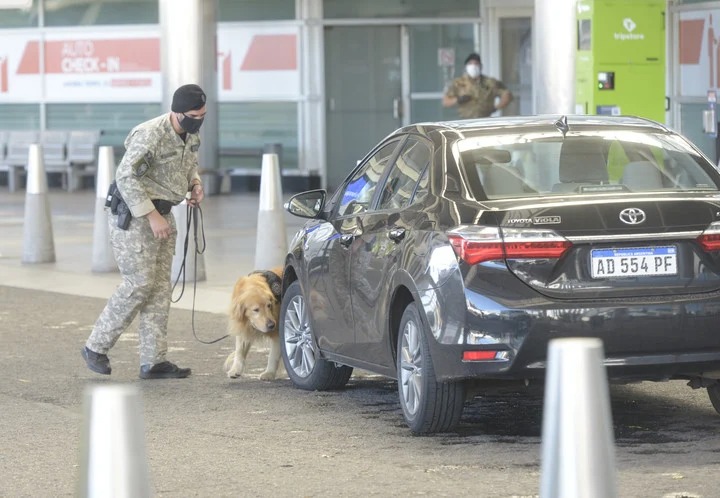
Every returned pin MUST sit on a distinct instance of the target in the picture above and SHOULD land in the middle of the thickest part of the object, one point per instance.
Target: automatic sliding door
(363, 92)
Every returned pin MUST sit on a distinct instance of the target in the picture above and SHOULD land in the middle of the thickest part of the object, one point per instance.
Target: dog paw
(267, 375)
(233, 374)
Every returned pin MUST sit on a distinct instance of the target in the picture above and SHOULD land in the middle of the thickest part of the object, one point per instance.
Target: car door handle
(346, 239)
(396, 234)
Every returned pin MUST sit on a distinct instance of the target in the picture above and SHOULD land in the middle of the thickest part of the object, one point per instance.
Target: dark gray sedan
(455, 251)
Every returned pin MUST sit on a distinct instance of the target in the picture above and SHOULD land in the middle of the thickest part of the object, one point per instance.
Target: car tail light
(475, 244)
(710, 238)
(485, 355)
(478, 355)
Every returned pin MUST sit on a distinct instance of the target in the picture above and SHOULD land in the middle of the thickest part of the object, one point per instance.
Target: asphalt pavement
(210, 436)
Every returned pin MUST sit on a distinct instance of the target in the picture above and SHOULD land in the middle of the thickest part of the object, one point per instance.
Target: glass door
(436, 55)
(516, 62)
(510, 47)
(363, 91)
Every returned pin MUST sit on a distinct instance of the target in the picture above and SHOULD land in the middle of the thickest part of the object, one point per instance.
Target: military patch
(143, 165)
(141, 169)
(168, 155)
(195, 147)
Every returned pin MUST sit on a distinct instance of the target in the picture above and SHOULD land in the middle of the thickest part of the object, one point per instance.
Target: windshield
(540, 164)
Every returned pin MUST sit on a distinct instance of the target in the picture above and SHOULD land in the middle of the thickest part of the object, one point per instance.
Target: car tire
(714, 394)
(427, 405)
(299, 352)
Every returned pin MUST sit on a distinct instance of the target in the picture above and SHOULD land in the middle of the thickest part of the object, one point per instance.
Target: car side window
(422, 186)
(359, 191)
(400, 183)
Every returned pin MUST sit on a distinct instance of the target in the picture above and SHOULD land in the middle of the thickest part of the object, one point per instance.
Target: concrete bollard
(103, 259)
(271, 238)
(113, 460)
(191, 265)
(38, 243)
(578, 448)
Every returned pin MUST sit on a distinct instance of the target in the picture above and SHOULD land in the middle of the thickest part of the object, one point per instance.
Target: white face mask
(473, 70)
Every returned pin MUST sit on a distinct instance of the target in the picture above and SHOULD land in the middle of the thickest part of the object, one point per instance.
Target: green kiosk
(620, 60)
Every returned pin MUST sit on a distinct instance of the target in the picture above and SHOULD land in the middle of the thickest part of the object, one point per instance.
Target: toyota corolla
(455, 251)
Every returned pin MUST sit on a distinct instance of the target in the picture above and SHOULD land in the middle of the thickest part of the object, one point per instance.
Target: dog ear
(238, 311)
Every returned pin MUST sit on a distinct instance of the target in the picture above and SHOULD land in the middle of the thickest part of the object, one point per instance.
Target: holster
(118, 207)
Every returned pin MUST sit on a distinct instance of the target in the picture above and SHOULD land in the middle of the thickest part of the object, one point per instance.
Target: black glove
(464, 99)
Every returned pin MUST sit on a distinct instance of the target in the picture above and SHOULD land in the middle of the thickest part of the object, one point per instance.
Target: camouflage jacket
(157, 165)
(482, 90)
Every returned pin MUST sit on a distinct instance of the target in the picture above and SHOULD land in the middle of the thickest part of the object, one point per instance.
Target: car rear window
(542, 164)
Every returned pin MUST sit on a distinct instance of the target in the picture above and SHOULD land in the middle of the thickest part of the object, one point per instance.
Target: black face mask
(191, 125)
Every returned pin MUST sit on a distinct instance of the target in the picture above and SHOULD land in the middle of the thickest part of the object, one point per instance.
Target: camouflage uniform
(483, 91)
(157, 165)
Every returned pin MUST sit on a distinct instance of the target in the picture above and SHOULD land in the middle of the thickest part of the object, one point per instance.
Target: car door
(330, 304)
(376, 252)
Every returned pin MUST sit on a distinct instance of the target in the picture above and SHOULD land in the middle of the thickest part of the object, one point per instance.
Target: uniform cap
(188, 98)
(473, 57)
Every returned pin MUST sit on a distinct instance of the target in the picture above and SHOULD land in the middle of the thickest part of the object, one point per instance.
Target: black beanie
(473, 57)
(188, 98)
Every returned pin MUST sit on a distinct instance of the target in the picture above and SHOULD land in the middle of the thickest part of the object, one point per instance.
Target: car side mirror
(307, 204)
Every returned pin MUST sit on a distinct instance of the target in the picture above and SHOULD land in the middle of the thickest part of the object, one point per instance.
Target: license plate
(633, 261)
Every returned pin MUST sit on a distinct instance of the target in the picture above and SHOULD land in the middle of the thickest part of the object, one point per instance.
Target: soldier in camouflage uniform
(475, 93)
(159, 168)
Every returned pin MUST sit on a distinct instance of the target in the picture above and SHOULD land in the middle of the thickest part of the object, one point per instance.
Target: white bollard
(103, 258)
(194, 263)
(38, 243)
(578, 447)
(113, 460)
(271, 238)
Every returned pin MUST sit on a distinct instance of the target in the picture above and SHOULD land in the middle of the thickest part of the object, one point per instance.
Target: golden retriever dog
(254, 314)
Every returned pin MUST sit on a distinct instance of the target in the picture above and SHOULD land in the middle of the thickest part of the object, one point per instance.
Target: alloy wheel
(411, 367)
(298, 338)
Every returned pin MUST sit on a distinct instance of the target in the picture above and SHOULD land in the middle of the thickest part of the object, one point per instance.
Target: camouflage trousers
(145, 264)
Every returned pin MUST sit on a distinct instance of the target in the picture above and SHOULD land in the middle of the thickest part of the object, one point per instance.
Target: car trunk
(620, 247)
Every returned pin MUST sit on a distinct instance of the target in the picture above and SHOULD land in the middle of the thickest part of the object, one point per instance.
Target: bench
(72, 155)
(18, 148)
(292, 180)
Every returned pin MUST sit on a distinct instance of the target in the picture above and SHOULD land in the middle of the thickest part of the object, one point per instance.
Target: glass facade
(255, 10)
(339, 9)
(690, 124)
(19, 117)
(114, 121)
(100, 12)
(249, 125)
(19, 18)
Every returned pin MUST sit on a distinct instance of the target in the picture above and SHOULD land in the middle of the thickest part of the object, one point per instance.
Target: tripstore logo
(629, 34)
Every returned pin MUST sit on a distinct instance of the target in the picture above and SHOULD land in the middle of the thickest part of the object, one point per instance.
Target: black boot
(98, 363)
(163, 370)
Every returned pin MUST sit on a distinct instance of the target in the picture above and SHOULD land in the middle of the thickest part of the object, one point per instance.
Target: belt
(163, 206)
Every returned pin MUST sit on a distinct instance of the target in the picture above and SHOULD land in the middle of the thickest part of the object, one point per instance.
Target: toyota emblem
(632, 216)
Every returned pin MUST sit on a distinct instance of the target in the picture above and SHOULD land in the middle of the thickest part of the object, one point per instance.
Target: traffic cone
(271, 239)
(103, 258)
(194, 263)
(113, 460)
(38, 244)
(578, 448)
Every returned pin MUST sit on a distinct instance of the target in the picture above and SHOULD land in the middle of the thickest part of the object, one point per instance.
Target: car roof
(527, 123)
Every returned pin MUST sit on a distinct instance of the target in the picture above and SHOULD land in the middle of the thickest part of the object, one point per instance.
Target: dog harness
(273, 281)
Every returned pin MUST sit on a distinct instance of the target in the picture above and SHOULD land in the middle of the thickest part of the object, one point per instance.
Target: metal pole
(188, 54)
(554, 47)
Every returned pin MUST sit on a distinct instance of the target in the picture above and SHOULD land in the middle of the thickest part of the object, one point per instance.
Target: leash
(193, 215)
